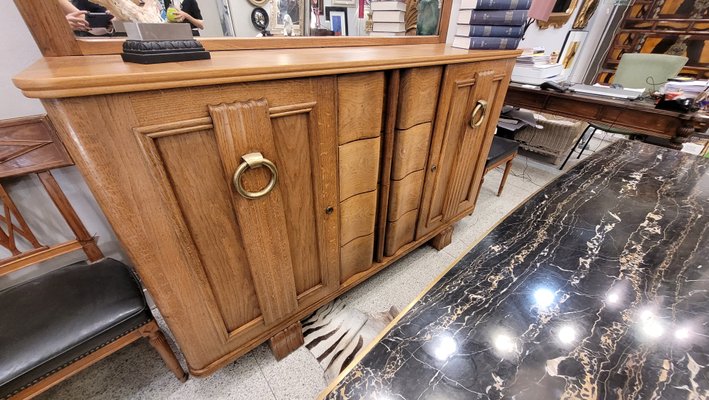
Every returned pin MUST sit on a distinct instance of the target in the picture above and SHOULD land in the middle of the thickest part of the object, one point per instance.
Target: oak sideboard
(251, 189)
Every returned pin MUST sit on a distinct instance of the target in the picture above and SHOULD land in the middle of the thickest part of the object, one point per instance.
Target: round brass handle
(255, 160)
(481, 108)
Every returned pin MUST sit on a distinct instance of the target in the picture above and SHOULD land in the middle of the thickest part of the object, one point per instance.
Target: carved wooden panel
(264, 258)
(29, 145)
(459, 145)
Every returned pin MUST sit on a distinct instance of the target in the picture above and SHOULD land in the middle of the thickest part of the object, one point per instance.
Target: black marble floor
(596, 288)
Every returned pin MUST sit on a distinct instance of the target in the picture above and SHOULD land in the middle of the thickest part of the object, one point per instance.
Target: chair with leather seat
(58, 323)
(502, 151)
(635, 71)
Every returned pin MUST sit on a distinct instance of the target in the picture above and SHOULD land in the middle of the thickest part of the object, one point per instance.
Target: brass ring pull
(255, 160)
(481, 108)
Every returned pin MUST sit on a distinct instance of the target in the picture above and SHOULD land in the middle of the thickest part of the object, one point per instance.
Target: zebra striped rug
(335, 333)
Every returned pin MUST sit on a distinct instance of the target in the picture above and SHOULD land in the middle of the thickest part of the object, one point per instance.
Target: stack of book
(535, 69)
(388, 18)
(491, 24)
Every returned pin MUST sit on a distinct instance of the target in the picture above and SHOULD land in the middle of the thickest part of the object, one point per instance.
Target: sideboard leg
(443, 239)
(286, 341)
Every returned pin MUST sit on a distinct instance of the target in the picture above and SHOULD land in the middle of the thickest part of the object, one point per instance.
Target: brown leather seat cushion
(57, 318)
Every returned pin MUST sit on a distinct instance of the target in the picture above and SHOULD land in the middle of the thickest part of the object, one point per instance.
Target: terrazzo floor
(137, 372)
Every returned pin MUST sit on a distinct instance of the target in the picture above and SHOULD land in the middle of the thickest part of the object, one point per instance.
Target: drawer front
(262, 257)
(414, 124)
(360, 103)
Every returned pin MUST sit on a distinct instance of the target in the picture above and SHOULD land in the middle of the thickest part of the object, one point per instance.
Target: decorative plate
(259, 18)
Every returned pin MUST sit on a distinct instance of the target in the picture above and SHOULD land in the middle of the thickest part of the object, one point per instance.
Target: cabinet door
(469, 106)
(257, 257)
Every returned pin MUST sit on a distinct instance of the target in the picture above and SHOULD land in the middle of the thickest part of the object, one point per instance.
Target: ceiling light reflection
(444, 347)
(650, 324)
(503, 343)
(543, 297)
(682, 333)
(567, 334)
(613, 298)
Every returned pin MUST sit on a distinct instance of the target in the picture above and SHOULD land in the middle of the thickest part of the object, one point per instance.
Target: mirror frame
(55, 39)
(558, 19)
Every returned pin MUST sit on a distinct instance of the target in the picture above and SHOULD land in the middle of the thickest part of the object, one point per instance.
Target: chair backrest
(649, 71)
(29, 146)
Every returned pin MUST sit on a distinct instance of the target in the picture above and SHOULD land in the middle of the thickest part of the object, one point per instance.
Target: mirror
(286, 18)
(560, 14)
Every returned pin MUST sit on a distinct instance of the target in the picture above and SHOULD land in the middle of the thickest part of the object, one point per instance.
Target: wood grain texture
(170, 244)
(30, 144)
(400, 232)
(157, 339)
(203, 182)
(359, 167)
(242, 128)
(81, 76)
(49, 27)
(286, 341)
(443, 239)
(360, 104)
(411, 150)
(356, 256)
(357, 216)
(88, 244)
(458, 151)
(468, 146)
(387, 155)
(419, 86)
(405, 195)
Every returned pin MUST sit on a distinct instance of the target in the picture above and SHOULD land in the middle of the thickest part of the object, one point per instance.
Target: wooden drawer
(360, 114)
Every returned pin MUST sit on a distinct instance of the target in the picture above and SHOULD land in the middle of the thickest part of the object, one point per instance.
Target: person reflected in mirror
(185, 11)
(75, 17)
(78, 13)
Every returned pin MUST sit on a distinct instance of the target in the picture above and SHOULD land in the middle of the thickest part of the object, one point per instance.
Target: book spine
(493, 43)
(484, 17)
(497, 4)
(495, 30)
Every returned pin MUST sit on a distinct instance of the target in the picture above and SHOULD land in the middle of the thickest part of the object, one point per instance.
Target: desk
(640, 115)
(594, 288)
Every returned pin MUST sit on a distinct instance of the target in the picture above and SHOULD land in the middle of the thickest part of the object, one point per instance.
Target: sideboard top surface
(57, 77)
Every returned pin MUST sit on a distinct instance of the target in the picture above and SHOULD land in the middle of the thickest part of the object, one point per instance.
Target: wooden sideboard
(368, 153)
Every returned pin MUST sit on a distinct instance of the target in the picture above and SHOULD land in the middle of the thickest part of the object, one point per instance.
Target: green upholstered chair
(635, 71)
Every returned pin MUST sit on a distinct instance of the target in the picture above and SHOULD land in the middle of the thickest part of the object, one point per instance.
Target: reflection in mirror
(560, 14)
(256, 18)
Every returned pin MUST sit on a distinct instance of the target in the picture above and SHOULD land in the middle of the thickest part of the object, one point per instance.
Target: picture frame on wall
(279, 24)
(338, 20)
(345, 3)
(568, 56)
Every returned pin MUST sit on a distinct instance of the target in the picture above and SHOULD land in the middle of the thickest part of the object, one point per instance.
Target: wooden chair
(502, 151)
(54, 325)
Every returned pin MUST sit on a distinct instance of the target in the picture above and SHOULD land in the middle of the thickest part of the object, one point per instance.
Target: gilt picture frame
(294, 9)
(568, 56)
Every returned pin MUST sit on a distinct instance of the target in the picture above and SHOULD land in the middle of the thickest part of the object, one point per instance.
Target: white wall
(19, 51)
(241, 17)
(210, 16)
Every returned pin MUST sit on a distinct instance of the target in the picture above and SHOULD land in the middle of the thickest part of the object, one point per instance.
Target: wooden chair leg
(508, 167)
(157, 339)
